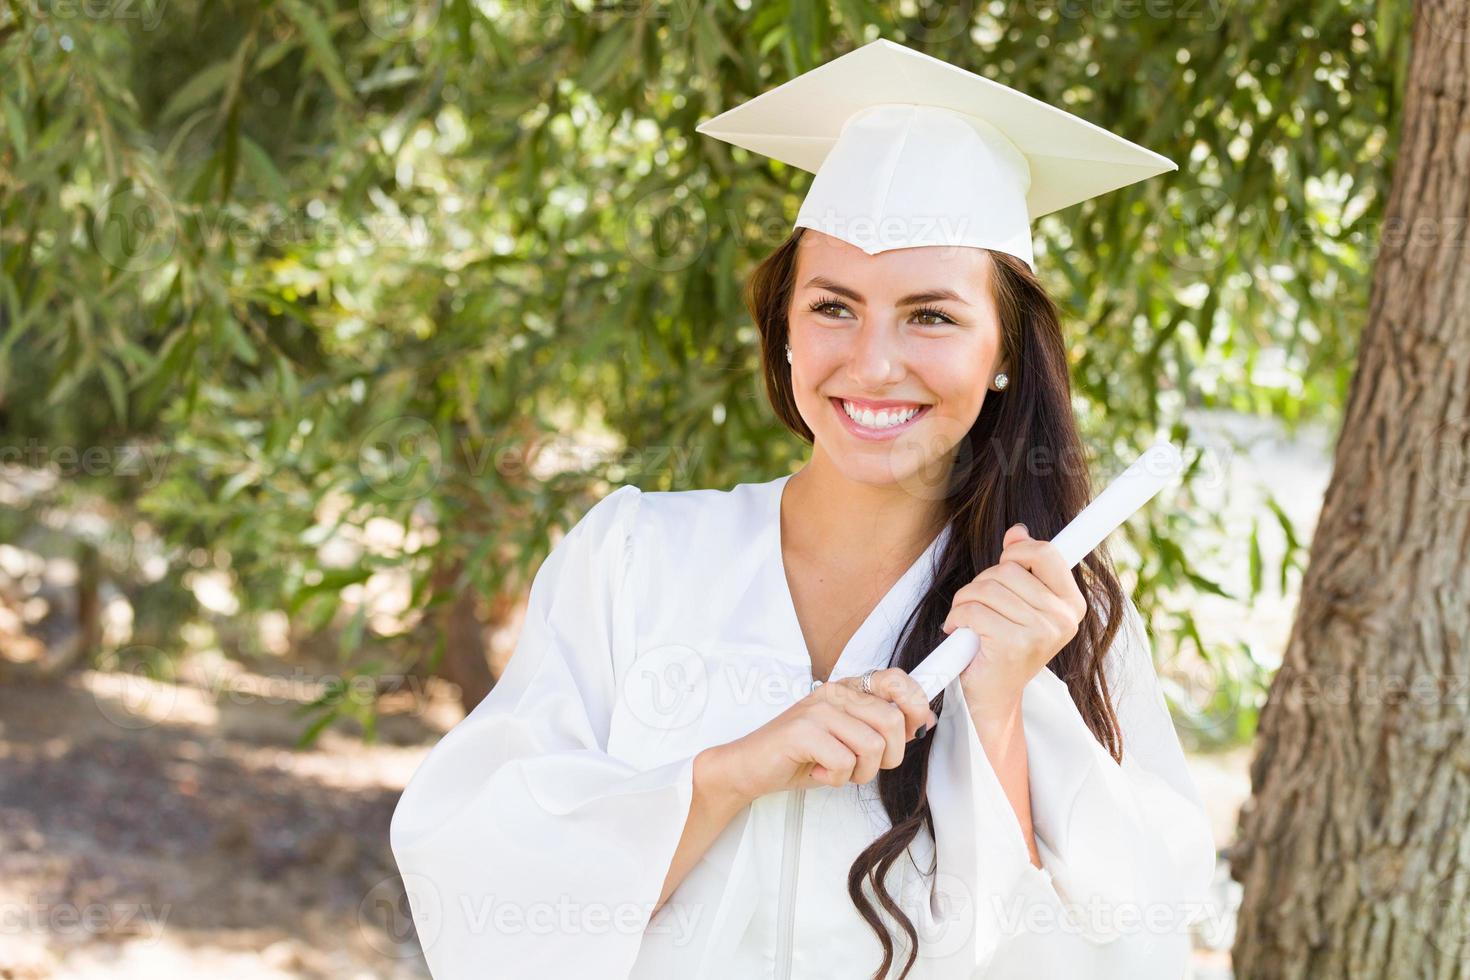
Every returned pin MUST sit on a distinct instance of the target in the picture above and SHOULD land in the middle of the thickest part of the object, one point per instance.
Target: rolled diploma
(1132, 488)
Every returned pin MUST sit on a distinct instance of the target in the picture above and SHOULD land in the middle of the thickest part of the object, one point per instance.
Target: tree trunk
(1354, 850)
(465, 660)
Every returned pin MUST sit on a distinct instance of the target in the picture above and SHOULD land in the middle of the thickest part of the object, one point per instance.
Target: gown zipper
(790, 861)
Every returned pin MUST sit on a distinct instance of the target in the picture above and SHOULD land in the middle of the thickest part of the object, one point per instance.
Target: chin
(880, 466)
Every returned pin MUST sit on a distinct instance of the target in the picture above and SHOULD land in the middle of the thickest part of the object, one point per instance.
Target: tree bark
(465, 660)
(1354, 850)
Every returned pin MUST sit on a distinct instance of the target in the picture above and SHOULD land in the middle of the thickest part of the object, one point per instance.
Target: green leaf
(463, 29)
(332, 580)
(1386, 25)
(314, 730)
(238, 342)
(207, 84)
(117, 388)
(15, 126)
(1287, 528)
(230, 161)
(236, 483)
(802, 21)
(13, 314)
(1255, 558)
(606, 57)
(856, 14)
(351, 639)
(272, 53)
(1207, 584)
(287, 383)
(262, 170)
(319, 42)
(436, 656)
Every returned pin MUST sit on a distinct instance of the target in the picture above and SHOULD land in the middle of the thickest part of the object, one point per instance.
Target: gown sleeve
(1127, 849)
(525, 848)
(1132, 839)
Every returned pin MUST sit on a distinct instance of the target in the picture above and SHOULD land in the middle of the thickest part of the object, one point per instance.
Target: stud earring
(788, 353)
(1001, 380)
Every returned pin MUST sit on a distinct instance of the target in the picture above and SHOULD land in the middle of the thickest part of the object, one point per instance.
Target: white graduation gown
(534, 839)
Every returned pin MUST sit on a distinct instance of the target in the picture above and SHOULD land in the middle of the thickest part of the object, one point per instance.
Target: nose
(876, 358)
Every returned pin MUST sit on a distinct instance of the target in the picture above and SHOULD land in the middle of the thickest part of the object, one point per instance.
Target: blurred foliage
(335, 264)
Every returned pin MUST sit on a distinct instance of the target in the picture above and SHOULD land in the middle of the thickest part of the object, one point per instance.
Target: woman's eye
(939, 319)
(824, 306)
(832, 308)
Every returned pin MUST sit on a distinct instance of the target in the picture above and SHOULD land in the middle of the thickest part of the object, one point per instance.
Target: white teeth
(883, 419)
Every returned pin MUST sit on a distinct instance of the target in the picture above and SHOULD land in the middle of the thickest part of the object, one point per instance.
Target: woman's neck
(842, 523)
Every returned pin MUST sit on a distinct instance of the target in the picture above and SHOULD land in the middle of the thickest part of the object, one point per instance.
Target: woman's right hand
(835, 735)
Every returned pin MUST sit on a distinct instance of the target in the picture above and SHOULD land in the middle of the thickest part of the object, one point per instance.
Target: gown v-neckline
(899, 597)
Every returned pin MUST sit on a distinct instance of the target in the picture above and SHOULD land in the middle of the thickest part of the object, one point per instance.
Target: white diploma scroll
(1132, 488)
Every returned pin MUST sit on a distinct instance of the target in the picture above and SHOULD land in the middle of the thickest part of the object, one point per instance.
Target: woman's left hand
(1024, 608)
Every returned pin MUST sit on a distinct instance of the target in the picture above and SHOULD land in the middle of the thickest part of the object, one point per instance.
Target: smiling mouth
(866, 421)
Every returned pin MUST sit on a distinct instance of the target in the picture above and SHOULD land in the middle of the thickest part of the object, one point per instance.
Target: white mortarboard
(910, 150)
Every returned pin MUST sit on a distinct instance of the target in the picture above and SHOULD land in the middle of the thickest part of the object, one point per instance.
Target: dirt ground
(155, 830)
(151, 830)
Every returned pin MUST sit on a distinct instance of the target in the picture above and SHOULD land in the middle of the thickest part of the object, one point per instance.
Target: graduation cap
(910, 150)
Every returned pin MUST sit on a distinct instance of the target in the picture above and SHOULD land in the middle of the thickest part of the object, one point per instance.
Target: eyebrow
(912, 299)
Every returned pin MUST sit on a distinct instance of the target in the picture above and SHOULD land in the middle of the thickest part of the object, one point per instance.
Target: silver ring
(868, 679)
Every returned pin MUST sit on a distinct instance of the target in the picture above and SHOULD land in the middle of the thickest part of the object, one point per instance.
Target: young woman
(706, 757)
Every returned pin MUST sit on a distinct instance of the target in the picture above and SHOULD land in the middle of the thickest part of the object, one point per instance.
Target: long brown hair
(1022, 461)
